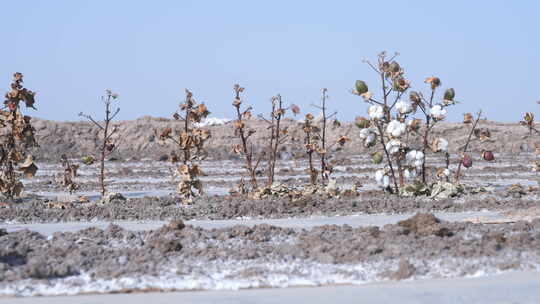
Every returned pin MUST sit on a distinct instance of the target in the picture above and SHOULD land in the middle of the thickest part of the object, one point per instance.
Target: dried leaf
(295, 109)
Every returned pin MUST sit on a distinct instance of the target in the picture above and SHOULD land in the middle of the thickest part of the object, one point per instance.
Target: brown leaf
(28, 167)
(166, 133)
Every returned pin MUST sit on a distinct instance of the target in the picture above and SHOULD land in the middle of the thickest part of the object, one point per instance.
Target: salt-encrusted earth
(94, 260)
(184, 257)
(150, 191)
(222, 208)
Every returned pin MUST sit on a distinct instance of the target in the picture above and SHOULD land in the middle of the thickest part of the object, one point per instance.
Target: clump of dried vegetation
(189, 141)
(108, 142)
(276, 137)
(67, 178)
(315, 141)
(17, 139)
(403, 130)
(529, 122)
(245, 147)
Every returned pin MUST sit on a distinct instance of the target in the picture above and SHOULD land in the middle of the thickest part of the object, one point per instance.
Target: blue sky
(149, 51)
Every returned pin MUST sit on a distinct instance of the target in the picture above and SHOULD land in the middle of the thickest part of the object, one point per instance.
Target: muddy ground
(421, 246)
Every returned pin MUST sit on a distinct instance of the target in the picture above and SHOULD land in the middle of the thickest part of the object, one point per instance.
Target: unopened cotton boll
(376, 112)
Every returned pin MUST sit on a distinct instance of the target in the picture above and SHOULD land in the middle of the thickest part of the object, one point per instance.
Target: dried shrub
(107, 142)
(311, 145)
(17, 139)
(245, 148)
(278, 135)
(316, 140)
(189, 141)
(529, 122)
(67, 178)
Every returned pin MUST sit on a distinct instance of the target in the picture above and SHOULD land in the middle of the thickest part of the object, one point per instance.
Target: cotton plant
(400, 122)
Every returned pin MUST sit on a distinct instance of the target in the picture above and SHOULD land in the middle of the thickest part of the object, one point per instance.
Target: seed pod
(433, 81)
(488, 155)
(362, 122)
(295, 109)
(376, 158)
(466, 161)
(394, 67)
(528, 117)
(415, 97)
(449, 94)
(361, 87)
(400, 84)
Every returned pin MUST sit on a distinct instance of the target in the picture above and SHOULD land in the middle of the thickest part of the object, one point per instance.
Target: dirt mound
(138, 138)
(425, 224)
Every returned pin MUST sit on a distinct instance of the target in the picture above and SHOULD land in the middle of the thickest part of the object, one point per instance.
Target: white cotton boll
(411, 155)
(418, 163)
(419, 155)
(438, 112)
(446, 172)
(396, 128)
(365, 133)
(443, 144)
(403, 107)
(368, 135)
(370, 140)
(386, 181)
(376, 112)
(409, 174)
(393, 146)
(379, 174)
